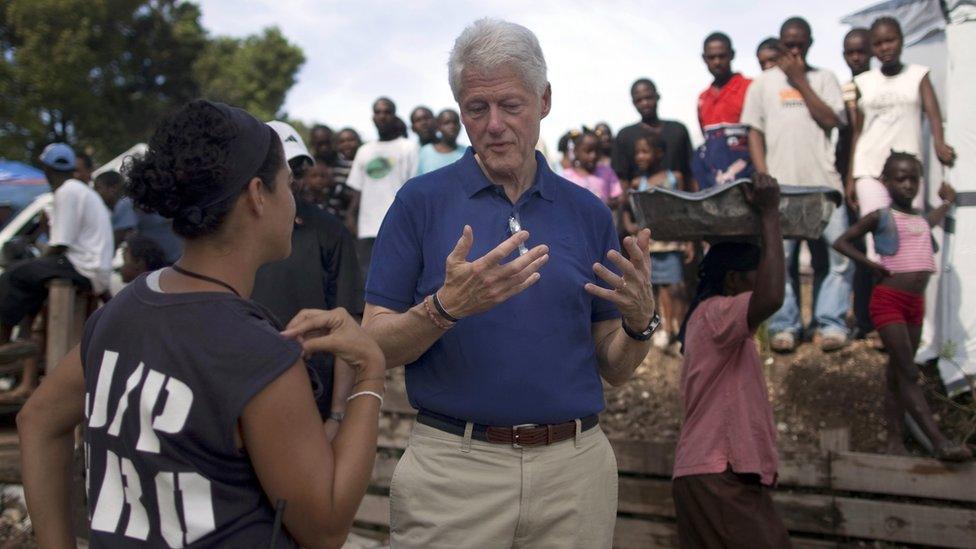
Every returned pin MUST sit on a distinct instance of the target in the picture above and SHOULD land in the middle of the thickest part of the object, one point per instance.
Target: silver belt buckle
(515, 433)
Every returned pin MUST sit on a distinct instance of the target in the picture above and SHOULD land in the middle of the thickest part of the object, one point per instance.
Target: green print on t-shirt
(379, 167)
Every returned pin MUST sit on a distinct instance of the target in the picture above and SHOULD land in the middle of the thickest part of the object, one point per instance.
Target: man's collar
(474, 180)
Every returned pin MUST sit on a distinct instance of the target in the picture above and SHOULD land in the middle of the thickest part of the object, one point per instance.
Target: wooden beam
(60, 317)
(907, 522)
(835, 440)
(630, 533)
(905, 476)
(374, 510)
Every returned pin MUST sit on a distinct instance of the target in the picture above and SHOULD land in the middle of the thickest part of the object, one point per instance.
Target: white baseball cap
(290, 140)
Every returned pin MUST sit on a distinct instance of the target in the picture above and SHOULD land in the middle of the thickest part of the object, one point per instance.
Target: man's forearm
(772, 268)
(824, 116)
(620, 356)
(757, 150)
(403, 337)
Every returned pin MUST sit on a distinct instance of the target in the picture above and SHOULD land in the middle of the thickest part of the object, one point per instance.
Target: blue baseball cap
(58, 156)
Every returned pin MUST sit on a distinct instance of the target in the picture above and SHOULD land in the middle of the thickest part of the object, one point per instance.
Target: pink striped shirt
(914, 245)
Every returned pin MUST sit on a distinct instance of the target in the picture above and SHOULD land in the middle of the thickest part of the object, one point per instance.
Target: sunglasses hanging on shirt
(515, 226)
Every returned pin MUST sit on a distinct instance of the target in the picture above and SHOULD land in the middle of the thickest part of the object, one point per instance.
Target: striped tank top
(914, 245)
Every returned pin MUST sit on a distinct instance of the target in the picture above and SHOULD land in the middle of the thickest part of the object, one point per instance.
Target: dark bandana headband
(245, 153)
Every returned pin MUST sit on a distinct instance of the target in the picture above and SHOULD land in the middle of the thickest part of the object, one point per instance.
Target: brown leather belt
(528, 435)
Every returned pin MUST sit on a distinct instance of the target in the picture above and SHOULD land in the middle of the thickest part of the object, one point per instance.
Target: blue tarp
(20, 184)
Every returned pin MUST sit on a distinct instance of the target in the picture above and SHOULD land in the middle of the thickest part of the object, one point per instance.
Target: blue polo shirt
(531, 359)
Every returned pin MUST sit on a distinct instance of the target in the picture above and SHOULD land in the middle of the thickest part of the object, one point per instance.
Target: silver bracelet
(363, 393)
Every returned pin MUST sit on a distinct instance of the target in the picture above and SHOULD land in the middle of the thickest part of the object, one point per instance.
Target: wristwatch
(647, 333)
(337, 416)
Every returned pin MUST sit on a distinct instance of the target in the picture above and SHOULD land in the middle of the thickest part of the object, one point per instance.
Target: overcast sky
(356, 51)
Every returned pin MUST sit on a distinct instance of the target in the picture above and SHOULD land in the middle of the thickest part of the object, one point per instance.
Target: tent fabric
(952, 332)
(918, 18)
(961, 11)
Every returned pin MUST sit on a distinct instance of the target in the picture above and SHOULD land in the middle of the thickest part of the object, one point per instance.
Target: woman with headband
(200, 425)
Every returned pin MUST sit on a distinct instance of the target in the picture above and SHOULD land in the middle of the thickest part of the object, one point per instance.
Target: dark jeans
(23, 287)
(863, 286)
(364, 251)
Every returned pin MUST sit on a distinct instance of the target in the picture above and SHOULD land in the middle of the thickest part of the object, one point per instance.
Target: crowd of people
(510, 287)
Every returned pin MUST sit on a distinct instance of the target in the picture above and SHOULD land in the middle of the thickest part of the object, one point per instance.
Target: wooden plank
(648, 458)
(634, 533)
(60, 316)
(657, 458)
(835, 440)
(907, 522)
(383, 471)
(803, 469)
(903, 476)
(78, 320)
(394, 431)
(630, 533)
(645, 496)
(811, 513)
(10, 466)
(16, 351)
(395, 399)
(374, 510)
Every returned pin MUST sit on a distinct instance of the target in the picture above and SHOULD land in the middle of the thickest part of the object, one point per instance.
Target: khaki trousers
(453, 492)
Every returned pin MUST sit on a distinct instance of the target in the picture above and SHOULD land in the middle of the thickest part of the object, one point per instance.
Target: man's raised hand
(476, 286)
(631, 292)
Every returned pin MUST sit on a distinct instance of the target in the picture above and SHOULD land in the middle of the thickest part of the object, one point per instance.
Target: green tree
(93, 72)
(100, 73)
(254, 73)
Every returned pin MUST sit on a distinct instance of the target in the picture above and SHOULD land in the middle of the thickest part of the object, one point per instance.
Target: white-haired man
(487, 283)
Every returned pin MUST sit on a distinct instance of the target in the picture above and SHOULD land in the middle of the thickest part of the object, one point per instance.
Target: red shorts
(891, 306)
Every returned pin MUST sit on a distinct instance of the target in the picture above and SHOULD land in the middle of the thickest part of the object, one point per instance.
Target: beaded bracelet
(434, 317)
(366, 393)
(440, 308)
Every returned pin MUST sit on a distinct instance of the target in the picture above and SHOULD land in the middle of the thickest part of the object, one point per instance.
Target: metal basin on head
(722, 212)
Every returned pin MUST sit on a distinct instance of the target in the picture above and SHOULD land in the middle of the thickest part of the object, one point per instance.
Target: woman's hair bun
(186, 156)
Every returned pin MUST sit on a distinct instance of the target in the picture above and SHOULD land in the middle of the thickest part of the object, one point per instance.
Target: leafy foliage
(99, 74)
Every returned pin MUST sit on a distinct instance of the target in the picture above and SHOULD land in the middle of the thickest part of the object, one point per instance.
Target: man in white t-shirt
(377, 173)
(791, 110)
(80, 245)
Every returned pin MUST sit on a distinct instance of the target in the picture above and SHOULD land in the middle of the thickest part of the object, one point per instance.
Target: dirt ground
(810, 390)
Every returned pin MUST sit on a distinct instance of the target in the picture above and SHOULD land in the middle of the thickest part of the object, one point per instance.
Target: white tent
(942, 36)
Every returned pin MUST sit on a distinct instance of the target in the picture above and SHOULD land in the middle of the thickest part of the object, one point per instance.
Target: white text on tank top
(184, 503)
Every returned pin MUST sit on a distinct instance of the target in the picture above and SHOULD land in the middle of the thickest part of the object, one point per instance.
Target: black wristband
(647, 333)
(440, 309)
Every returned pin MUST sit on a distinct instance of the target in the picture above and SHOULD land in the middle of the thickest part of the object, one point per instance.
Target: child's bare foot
(875, 341)
(951, 451)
